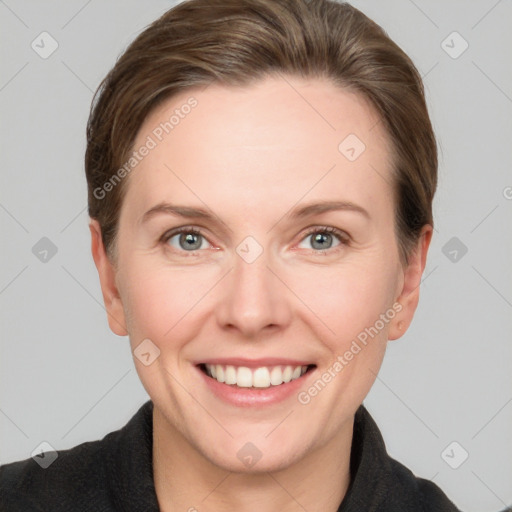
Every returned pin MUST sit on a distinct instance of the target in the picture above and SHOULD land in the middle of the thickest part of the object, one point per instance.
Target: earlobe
(410, 292)
(107, 275)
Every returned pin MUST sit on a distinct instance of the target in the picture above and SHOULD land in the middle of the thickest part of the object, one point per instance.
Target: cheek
(161, 301)
(342, 301)
(356, 303)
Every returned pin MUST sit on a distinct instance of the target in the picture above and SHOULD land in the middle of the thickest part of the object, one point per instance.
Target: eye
(185, 239)
(189, 239)
(322, 238)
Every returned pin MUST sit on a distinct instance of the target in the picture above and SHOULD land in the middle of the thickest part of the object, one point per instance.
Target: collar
(373, 473)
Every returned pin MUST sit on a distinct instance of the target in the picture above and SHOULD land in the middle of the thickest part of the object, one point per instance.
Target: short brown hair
(236, 42)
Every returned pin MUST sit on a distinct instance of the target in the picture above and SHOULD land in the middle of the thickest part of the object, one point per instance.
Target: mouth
(260, 377)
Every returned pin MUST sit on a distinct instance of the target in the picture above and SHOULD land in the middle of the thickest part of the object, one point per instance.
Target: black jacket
(115, 474)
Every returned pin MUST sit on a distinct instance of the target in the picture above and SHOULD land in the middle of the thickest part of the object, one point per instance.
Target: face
(255, 236)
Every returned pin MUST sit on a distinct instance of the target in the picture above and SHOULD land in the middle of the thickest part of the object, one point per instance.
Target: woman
(260, 177)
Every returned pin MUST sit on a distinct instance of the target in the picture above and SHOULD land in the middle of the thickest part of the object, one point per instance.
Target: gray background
(65, 378)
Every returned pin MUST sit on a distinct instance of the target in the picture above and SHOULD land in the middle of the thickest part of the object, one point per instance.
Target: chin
(251, 460)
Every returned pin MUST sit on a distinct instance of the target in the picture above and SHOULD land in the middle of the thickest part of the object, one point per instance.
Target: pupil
(320, 238)
(191, 241)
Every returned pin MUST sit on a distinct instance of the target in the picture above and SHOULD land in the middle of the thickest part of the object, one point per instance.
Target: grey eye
(320, 240)
(187, 241)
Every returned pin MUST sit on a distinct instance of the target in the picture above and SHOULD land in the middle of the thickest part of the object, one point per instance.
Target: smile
(261, 377)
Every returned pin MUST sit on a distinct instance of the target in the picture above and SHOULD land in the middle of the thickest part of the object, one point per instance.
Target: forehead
(272, 141)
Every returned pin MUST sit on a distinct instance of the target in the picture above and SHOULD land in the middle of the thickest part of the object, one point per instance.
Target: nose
(254, 300)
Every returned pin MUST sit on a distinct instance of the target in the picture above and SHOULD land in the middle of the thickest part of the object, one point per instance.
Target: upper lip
(255, 363)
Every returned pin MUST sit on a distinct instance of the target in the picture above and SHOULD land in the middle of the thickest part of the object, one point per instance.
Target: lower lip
(253, 397)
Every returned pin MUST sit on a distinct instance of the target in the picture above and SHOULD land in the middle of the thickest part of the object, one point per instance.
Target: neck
(185, 480)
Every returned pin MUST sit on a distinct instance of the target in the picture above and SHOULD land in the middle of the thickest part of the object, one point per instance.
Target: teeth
(230, 374)
(243, 377)
(276, 376)
(262, 377)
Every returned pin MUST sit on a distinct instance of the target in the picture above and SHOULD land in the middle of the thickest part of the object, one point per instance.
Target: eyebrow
(327, 206)
(303, 211)
(188, 212)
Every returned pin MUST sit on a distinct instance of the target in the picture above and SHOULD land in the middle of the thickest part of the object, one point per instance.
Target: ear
(107, 275)
(410, 294)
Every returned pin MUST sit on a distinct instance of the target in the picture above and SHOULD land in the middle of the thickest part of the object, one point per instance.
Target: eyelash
(343, 238)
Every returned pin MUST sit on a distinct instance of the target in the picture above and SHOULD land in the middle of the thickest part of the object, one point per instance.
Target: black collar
(378, 482)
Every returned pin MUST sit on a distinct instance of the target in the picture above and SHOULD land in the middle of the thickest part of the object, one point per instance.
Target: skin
(250, 155)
